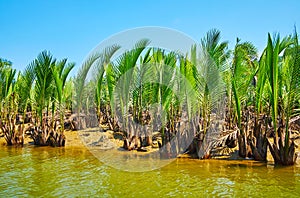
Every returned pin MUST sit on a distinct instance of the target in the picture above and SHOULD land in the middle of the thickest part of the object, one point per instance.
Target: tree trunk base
(283, 158)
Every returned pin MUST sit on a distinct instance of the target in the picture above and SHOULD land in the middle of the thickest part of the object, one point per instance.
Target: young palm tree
(47, 77)
(60, 73)
(164, 90)
(121, 75)
(98, 60)
(80, 85)
(210, 65)
(5, 63)
(283, 77)
(24, 86)
(101, 67)
(68, 93)
(9, 106)
(188, 71)
(243, 71)
(43, 65)
(25, 82)
(213, 59)
(190, 95)
(43, 90)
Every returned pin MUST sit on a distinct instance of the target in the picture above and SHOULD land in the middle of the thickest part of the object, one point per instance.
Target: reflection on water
(75, 172)
(131, 161)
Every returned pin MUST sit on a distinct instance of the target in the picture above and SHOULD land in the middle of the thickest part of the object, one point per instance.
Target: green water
(71, 172)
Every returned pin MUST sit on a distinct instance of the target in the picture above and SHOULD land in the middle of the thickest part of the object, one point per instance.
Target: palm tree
(242, 73)
(25, 82)
(68, 93)
(121, 75)
(9, 106)
(43, 65)
(60, 73)
(79, 84)
(283, 77)
(101, 68)
(42, 93)
(164, 79)
(188, 90)
(5, 63)
(48, 78)
(99, 60)
(210, 65)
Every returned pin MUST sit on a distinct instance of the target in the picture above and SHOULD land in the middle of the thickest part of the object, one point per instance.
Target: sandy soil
(73, 140)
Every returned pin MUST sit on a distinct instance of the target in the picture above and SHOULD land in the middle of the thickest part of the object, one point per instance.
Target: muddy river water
(75, 172)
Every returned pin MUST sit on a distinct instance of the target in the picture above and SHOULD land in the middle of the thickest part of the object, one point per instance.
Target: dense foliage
(200, 97)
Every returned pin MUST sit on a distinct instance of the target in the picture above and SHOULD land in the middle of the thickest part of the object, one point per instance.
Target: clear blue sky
(72, 28)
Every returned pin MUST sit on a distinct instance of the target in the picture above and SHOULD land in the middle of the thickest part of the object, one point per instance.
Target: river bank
(77, 140)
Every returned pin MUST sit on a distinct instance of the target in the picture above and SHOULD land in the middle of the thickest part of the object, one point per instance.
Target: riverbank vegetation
(182, 103)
